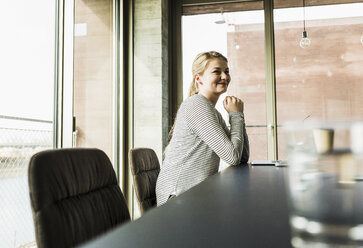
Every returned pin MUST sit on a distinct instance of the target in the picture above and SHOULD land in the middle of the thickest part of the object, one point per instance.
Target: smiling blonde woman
(200, 136)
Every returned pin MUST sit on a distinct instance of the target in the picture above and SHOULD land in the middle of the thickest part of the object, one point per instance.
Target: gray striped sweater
(200, 139)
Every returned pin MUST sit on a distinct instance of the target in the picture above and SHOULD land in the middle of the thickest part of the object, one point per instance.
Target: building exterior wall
(323, 81)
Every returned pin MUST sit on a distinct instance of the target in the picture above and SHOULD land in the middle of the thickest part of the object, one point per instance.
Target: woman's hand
(232, 103)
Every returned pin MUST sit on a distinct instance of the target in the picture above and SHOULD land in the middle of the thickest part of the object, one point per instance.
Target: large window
(324, 80)
(239, 35)
(27, 80)
(57, 61)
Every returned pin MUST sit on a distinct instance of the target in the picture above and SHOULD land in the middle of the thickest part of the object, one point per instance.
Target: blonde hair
(199, 64)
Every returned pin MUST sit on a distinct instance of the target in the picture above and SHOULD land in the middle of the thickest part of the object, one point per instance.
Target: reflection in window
(93, 74)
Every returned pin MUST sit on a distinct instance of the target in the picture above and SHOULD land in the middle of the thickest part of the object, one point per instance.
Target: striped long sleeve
(202, 119)
(246, 146)
(199, 141)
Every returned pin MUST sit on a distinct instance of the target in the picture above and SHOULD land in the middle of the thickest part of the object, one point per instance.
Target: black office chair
(74, 196)
(145, 169)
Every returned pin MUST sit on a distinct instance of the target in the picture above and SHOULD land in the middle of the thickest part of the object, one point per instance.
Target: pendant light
(220, 19)
(305, 41)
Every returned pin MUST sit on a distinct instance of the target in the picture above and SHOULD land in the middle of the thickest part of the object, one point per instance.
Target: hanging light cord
(304, 12)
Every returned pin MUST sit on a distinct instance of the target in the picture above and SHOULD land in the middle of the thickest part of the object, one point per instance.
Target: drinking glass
(325, 183)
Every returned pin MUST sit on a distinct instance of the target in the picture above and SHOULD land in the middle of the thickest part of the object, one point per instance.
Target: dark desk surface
(239, 207)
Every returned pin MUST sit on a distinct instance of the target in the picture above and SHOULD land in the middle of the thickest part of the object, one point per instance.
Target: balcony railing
(20, 138)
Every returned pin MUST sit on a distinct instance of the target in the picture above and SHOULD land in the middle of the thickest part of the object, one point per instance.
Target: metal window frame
(63, 74)
(66, 93)
(271, 112)
(123, 96)
(58, 73)
(127, 47)
(117, 89)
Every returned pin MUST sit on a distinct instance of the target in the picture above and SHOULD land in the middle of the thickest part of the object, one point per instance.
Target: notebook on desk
(278, 163)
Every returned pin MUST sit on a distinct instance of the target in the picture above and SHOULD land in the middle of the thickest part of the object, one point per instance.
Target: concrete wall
(150, 74)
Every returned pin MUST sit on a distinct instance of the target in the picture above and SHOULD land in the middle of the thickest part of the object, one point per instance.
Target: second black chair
(145, 169)
(74, 196)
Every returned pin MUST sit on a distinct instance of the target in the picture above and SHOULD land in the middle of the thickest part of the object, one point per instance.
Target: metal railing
(20, 138)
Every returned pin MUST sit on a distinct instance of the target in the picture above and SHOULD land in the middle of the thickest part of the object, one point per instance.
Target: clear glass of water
(325, 183)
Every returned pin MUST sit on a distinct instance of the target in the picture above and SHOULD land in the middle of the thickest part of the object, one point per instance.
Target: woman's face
(215, 79)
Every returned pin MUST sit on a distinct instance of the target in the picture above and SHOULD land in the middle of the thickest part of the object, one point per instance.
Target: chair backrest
(145, 169)
(74, 196)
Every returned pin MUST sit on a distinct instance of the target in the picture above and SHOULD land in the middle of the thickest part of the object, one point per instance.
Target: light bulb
(305, 41)
(220, 19)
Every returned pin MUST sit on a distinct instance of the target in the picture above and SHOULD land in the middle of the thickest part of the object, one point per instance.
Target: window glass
(324, 80)
(27, 48)
(93, 75)
(240, 37)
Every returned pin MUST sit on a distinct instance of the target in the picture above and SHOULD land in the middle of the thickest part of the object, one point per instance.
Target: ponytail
(193, 89)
